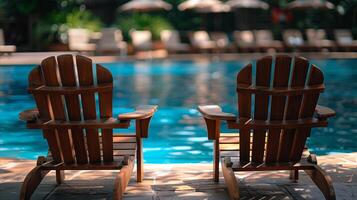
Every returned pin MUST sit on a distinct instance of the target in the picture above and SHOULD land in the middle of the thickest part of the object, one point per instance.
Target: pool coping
(34, 58)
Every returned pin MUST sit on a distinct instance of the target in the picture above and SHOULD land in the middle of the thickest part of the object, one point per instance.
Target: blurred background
(42, 25)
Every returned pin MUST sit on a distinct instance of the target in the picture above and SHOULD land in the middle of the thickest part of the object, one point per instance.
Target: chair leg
(31, 182)
(230, 179)
(122, 180)
(216, 156)
(60, 176)
(139, 161)
(294, 175)
(323, 182)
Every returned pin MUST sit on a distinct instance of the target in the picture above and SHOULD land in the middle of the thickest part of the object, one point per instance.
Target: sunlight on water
(177, 133)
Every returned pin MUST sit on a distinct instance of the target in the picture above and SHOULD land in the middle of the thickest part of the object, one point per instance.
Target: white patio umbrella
(310, 4)
(145, 5)
(204, 6)
(248, 4)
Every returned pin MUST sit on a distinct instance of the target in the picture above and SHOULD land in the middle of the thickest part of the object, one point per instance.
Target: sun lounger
(294, 40)
(79, 40)
(141, 40)
(111, 41)
(265, 41)
(345, 41)
(172, 42)
(201, 41)
(318, 39)
(222, 41)
(245, 41)
(3, 47)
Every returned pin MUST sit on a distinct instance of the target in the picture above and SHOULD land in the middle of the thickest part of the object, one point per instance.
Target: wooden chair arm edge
(141, 112)
(30, 115)
(322, 112)
(214, 112)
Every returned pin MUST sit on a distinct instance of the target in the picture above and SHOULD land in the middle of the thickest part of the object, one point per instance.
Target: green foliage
(83, 19)
(139, 21)
(54, 27)
(48, 30)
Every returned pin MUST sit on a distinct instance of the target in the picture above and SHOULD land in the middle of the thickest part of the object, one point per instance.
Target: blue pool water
(177, 134)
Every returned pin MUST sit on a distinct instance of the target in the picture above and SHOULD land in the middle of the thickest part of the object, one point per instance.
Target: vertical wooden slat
(43, 105)
(85, 76)
(261, 108)
(244, 107)
(299, 75)
(67, 72)
(308, 106)
(281, 79)
(49, 68)
(105, 107)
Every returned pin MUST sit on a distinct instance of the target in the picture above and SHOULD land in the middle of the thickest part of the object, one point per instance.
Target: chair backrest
(199, 37)
(142, 40)
(220, 38)
(110, 38)
(314, 35)
(78, 36)
(170, 37)
(278, 100)
(343, 36)
(244, 37)
(2, 37)
(263, 36)
(71, 91)
(293, 37)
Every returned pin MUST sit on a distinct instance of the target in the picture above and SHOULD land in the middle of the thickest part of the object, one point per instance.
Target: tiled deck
(188, 181)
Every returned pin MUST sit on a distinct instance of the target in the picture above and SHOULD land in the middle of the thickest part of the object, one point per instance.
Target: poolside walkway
(182, 181)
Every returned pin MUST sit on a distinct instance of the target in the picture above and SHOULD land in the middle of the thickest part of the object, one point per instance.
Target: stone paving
(183, 181)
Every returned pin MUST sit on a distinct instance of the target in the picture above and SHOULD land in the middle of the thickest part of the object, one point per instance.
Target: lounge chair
(265, 41)
(222, 41)
(294, 40)
(271, 136)
(172, 42)
(317, 38)
(91, 144)
(141, 40)
(5, 48)
(79, 40)
(245, 41)
(344, 40)
(112, 41)
(201, 41)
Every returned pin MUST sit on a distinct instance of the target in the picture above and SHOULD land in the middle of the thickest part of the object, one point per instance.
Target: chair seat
(123, 146)
(229, 147)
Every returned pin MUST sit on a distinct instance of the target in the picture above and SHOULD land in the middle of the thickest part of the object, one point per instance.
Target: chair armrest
(141, 112)
(29, 115)
(323, 113)
(214, 112)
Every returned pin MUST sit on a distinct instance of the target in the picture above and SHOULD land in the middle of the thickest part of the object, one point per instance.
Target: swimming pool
(177, 134)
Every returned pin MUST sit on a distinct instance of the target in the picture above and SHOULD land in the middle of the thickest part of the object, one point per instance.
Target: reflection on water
(177, 133)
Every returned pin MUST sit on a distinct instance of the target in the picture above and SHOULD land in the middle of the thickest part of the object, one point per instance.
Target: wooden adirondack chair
(79, 138)
(274, 125)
